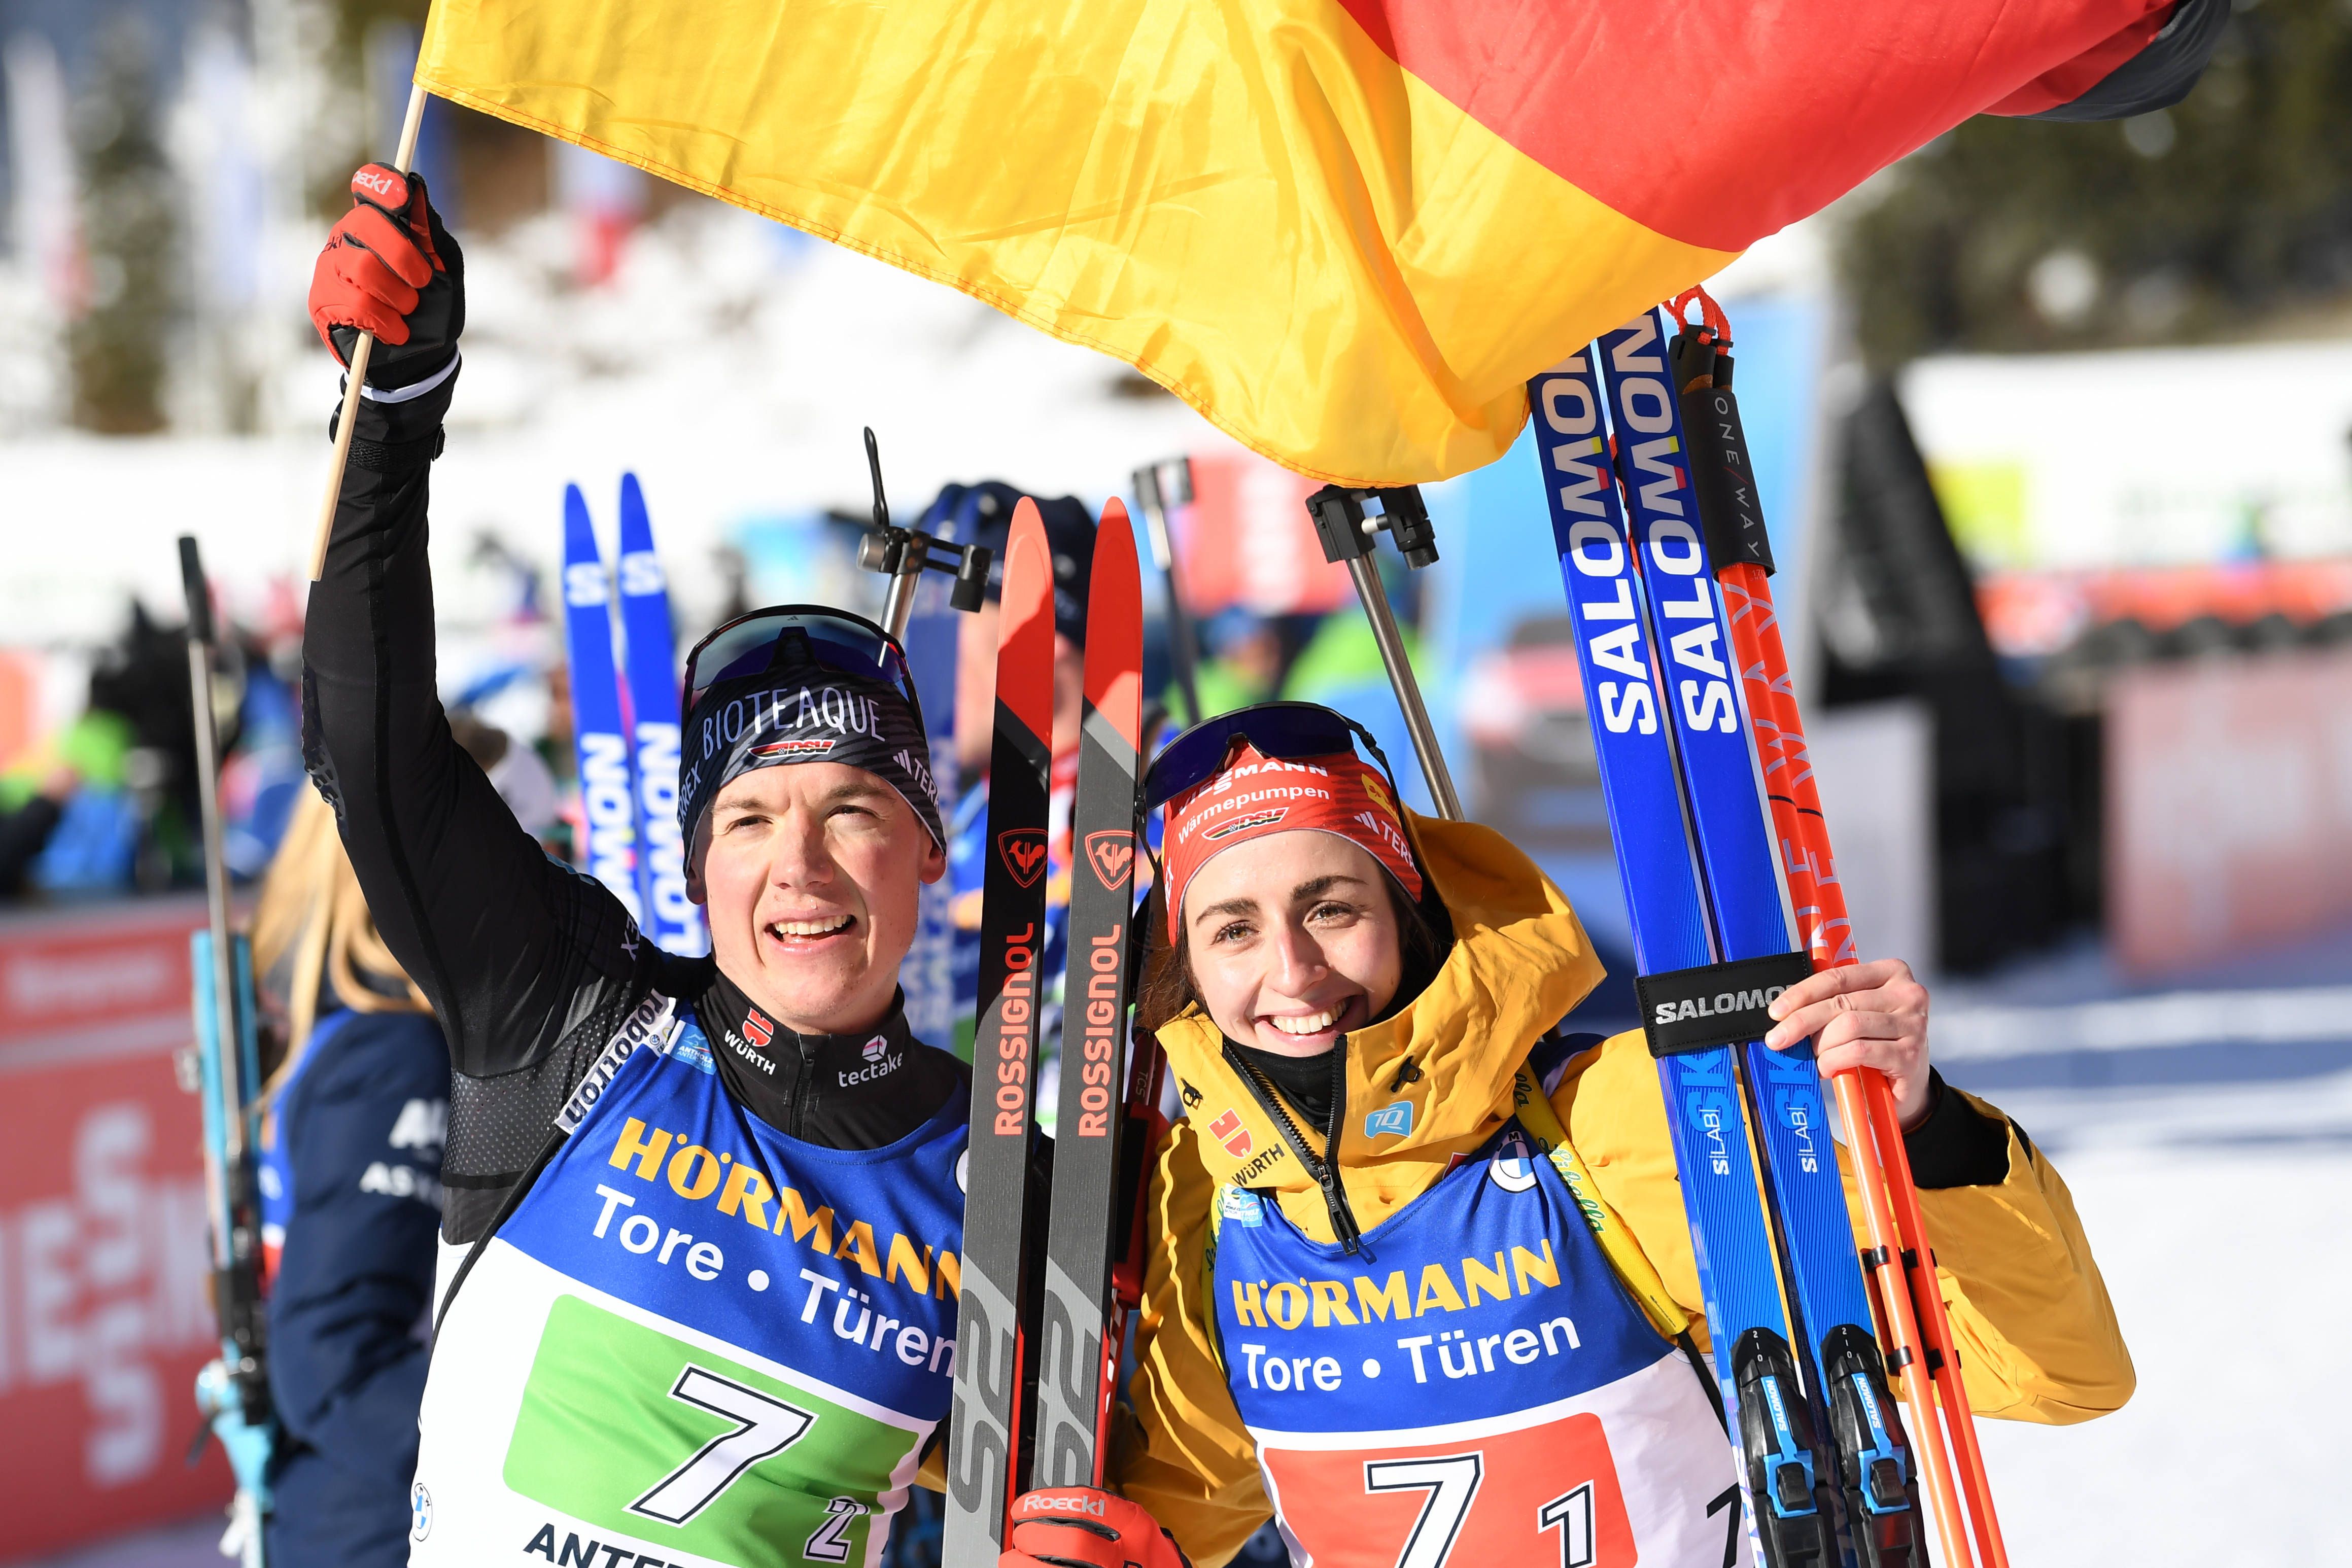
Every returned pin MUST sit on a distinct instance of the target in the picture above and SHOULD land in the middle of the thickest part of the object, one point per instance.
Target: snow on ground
(2206, 1133)
(2219, 1213)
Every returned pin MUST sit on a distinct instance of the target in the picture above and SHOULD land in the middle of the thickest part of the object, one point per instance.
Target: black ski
(1082, 1323)
(986, 1430)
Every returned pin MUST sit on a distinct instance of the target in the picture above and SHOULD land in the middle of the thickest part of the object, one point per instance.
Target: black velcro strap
(1730, 507)
(1684, 1011)
(396, 457)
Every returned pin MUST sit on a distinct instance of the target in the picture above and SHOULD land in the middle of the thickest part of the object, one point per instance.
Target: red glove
(1081, 1527)
(389, 268)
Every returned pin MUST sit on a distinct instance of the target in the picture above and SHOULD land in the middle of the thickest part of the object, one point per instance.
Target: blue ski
(650, 654)
(608, 792)
(1723, 788)
(1756, 1370)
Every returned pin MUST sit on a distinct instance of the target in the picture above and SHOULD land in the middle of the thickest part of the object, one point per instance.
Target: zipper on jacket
(1326, 1172)
(803, 1075)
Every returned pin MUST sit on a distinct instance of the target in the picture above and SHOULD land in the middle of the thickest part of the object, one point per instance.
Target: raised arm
(514, 950)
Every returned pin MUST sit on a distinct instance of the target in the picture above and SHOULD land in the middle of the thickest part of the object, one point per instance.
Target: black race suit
(531, 965)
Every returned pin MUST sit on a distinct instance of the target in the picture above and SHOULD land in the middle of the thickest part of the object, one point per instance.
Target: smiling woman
(1415, 1256)
(1345, 935)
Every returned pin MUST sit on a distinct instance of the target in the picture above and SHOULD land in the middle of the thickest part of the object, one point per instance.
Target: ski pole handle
(192, 586)
(402, 159)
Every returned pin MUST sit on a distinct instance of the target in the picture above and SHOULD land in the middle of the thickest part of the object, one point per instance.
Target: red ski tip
(1115, 641)
(1024, 638)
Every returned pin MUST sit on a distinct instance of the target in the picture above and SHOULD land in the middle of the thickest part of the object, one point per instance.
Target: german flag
(1346, 231)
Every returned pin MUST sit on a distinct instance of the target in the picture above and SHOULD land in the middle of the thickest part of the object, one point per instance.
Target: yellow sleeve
(2037, 1335)
(1185, 1454)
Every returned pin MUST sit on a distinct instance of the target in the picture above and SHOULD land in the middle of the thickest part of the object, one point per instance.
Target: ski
(1912, 1308)
(608, 794)
(1079, 1334)
(1837, 1346)
(985, 1436)
(1755, 1369)
(650, 658)
(234, 1389)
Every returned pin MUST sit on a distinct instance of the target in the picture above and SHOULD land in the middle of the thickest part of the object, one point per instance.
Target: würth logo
(757, 1028)
(1228, 1130)
(1112, 855)
(1023, 851)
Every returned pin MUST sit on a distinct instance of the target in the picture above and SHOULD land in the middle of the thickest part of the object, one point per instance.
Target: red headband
(1254, 796)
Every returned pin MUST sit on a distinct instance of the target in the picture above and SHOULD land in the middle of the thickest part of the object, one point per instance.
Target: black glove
(391, 268)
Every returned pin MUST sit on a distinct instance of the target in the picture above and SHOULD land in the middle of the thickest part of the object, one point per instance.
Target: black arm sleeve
(529, 964)
(2160, 75)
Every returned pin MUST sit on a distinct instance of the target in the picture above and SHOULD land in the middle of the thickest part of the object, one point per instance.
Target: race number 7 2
(766, 1426)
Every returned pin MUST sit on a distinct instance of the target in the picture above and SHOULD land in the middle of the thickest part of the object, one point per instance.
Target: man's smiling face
(811, 875)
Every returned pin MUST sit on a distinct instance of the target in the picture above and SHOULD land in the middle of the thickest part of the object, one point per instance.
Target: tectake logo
(1112, 855)
(1023, 849)
(1393, 1119)
(879, 1063)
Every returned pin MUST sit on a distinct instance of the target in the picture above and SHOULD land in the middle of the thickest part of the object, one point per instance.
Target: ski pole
(1347, 532)
(1900, 1263)
(904, 554)
(356, 380)
(1183, 645)
(228, 1074)
(223, 971)
(1903, 1260)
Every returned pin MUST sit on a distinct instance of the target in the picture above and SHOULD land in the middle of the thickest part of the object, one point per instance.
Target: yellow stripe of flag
(1248, 202)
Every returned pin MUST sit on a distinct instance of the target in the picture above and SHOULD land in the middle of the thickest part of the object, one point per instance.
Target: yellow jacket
(2038, 1338)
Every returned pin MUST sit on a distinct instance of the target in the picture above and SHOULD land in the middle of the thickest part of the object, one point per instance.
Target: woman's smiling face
(1292, 940)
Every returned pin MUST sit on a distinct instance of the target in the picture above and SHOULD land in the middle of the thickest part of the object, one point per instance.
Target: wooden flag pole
(401, 161)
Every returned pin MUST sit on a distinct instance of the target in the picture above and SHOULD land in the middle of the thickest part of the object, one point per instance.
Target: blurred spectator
(25, 830)
(1243, 666)
(351, 1185)
(93, 845)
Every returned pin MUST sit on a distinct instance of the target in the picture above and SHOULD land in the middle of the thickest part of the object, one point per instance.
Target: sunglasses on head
(752, 644)
(1286, 731)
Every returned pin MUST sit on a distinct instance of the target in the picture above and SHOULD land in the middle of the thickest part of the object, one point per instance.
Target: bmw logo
(1510, 1168)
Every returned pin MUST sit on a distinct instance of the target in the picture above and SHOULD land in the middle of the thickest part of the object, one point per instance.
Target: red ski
(986, 1425)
